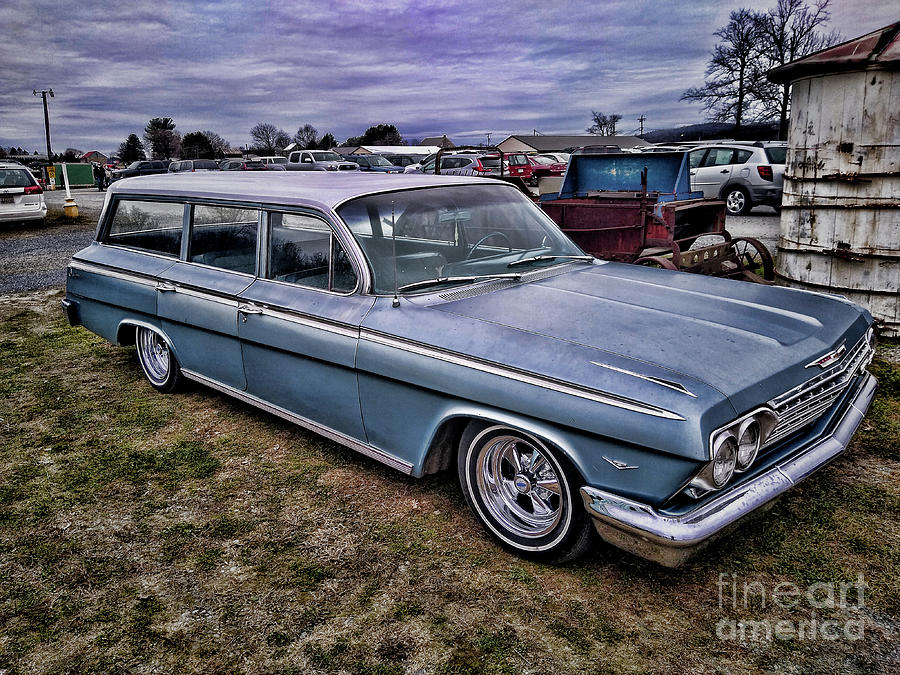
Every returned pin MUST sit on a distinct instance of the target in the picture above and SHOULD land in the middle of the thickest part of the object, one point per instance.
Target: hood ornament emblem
(829, 358)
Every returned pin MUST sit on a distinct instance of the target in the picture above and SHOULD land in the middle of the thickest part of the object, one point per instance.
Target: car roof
(318, 189)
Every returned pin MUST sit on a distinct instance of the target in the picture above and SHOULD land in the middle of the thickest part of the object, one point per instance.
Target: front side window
(303, 251)
(452, 231)
(224, 237)
(148, 226)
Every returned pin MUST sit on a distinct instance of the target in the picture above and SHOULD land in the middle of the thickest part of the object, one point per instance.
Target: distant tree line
(736, 89)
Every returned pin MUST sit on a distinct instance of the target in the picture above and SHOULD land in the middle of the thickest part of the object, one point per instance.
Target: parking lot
(41, 254)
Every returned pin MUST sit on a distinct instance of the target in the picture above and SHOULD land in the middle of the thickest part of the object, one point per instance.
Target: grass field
(190, 533)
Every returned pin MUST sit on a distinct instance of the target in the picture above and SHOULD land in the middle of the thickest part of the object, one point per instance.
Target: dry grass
(190, 533)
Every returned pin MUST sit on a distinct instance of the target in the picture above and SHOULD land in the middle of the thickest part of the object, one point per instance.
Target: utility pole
(44, 93)
(488, 134)
(641, 119)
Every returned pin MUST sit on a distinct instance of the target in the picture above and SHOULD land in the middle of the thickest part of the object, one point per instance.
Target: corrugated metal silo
(840, 222)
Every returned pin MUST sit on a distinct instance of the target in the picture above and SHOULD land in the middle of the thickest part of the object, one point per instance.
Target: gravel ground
(33, 258)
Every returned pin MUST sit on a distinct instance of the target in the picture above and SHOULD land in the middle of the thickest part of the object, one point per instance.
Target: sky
(465, 68)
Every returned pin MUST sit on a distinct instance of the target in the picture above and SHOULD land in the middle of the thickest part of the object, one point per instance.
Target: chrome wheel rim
(735, 201)
(519, 486)
(155, 357)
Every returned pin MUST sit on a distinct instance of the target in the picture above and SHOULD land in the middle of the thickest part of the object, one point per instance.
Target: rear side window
(225, 237)
(741, 156)
(777, 155)
(148, 226)
(490, 162)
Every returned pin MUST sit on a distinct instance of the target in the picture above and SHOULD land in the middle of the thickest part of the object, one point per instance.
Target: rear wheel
(524, 493)
(157, 360)
(737, 201)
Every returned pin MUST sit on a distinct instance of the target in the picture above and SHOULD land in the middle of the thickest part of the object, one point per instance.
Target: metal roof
(879, 49)
(318, 189)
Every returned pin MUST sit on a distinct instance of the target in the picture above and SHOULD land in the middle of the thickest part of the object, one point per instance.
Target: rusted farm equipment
(639, 208)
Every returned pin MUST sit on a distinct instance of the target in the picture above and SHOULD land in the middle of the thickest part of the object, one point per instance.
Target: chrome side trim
(670, 540)
(111, 273)
(519, 375)
(677, 386)
(211, 297)
(311, 322)
(620, 465)
(320, 429)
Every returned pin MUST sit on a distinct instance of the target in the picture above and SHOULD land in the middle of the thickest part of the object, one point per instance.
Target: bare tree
(268, 139)
(789, 32)
(162, 138)
(306, 136)
(734, 70)
(219, 145)
(603, 125)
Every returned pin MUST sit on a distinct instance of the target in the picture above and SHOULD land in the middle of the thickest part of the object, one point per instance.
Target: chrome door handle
(164, 287)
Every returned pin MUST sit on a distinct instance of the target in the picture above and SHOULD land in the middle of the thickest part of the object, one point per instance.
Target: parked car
(545, 165)
(432, 322)
(375, 163)
(183, 165)
(21, 198)
(417, 167)
(141, 168)
(318, 160)
(242, 165)
(742, 175)
(403, 160)
(274, 163)
(466, 164)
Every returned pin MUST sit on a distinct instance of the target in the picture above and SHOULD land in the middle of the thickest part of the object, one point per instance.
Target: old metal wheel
(656, 261)
(522, 492)
(737, 201)
(157, 361)
(754, 257)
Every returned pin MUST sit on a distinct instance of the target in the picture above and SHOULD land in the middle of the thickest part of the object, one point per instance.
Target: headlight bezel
(705, 480)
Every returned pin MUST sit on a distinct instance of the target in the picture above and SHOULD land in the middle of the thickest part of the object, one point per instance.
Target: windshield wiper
(451, 280)
(534, 258)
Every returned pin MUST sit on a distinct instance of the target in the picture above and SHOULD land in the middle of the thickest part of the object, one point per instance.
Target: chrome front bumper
(670, 540)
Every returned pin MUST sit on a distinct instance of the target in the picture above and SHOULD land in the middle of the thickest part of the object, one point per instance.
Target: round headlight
(748, 444)
(724, 460)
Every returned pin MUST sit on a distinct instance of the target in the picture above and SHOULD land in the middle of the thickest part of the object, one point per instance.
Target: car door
(198, 296)
(713, 172)
(140, 238)
(299, 325)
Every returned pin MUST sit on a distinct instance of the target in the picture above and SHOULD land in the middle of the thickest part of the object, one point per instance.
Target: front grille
(805, 403)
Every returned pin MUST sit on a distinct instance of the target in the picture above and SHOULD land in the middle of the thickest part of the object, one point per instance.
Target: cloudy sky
(461, 67)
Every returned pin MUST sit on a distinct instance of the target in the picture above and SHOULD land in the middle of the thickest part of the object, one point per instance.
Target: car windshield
(378, 160)
(452, 234)
(777, 154)
(326, 157)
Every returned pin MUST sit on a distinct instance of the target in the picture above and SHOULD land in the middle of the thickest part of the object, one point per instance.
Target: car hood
(750, 342)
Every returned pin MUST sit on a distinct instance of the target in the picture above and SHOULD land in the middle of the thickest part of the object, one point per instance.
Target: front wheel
(523, 493)
(157, 360)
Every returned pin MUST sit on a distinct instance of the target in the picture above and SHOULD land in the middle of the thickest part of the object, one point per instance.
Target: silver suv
(21, 198)
(743, 175)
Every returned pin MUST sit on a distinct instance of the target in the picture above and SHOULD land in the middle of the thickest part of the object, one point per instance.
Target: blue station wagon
(435, 322)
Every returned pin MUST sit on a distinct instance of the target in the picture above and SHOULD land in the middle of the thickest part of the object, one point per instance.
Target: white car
(21, 198)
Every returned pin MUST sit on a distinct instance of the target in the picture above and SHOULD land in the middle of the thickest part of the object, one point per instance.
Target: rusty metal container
(840, 220)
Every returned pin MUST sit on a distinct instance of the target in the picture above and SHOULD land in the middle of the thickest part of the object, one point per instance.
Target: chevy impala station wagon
(435, 322)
